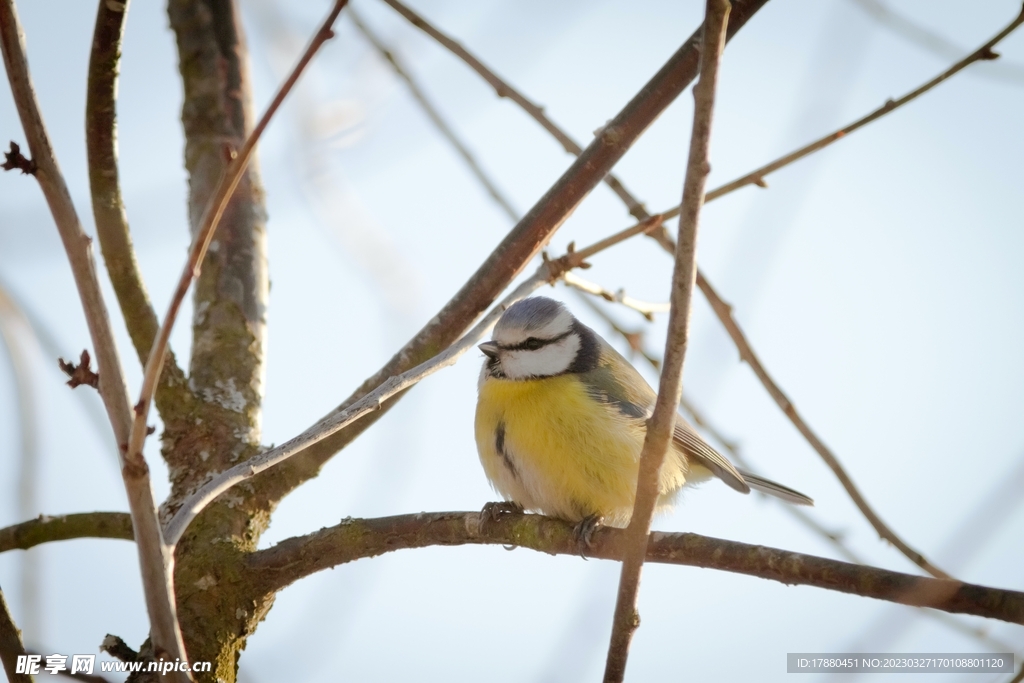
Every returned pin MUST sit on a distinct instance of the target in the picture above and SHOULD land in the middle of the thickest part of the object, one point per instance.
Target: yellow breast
(551, 447)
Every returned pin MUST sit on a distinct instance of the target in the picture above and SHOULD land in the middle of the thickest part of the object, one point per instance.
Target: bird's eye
(533, 343)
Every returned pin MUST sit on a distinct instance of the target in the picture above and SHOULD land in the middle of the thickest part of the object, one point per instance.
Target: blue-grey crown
(530, 314)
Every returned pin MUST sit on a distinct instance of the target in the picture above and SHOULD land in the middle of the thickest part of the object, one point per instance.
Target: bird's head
(538, 337)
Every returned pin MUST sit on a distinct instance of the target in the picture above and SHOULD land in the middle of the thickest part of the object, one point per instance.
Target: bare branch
(107, 204)
(645, 308)
(389, 55)
(154, 557)
(355, 539)
(519, 246)
(46, 529)
(11, 646)
(662, 422)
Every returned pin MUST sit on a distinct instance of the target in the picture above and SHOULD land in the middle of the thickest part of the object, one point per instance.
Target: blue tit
(561, 419)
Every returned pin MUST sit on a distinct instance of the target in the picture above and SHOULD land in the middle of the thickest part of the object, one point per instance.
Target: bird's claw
(491, 512)
(583, 532)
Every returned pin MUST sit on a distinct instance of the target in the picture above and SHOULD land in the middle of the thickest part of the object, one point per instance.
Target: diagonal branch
(519, 246)
(355, 539)
(389, 55)
(46, 529)
(11, 646)
(661, 424)
(107, 204)
(155, 559)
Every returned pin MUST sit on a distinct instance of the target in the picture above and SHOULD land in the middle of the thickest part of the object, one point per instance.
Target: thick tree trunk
(216, 605)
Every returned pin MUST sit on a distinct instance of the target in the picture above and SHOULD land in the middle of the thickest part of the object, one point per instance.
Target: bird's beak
(490, 349)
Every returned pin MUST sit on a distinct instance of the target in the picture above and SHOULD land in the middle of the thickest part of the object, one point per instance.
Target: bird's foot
(583, 532)
(491, 512)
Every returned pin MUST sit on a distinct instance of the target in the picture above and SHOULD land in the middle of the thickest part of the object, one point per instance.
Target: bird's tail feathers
(775, 489)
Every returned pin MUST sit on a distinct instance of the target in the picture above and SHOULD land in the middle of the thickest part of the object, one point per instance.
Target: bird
(560, 423)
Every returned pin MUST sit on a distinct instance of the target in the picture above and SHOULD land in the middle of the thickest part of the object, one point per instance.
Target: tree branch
(519, 246)
(107, 204)
(662, 422)
(46, 529)
(355, 539)
(11, 646)
(154, 557)
(645, 308)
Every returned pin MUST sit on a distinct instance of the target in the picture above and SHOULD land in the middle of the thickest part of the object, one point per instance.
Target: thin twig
(47, 529)
(747, 355)
(757, 176)
(211, 218)
(645, 308)
(354, 539)
(661, 424)
(155, 559)
(11, 646)
(104, 183)
(548, 272)
(449, 134)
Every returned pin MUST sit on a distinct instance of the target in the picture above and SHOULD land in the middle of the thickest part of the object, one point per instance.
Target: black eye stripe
(526, 344)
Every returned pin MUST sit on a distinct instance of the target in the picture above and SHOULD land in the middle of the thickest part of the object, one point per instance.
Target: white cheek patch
(553, 359)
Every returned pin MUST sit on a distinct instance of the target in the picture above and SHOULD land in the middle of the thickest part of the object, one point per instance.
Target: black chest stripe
(499, 445)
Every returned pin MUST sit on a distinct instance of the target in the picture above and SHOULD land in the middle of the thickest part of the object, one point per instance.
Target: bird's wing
(619, 384)
(697, 449)
(775, 489)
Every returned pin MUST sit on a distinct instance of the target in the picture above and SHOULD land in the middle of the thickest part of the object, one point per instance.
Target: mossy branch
(46, 529)
(108, 206)
(355, 539)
